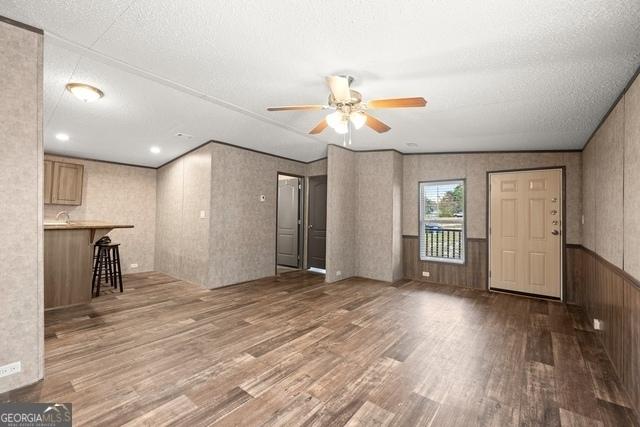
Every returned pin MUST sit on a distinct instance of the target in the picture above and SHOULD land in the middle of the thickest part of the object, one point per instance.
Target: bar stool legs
(107, 265)
(118, 268)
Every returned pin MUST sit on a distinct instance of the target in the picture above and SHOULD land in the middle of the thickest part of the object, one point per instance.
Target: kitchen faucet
(65, 214)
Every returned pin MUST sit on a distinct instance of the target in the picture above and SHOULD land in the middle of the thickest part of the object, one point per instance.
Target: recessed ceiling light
(411, 144)
(154, 149)
(85, 92)
(62, 137)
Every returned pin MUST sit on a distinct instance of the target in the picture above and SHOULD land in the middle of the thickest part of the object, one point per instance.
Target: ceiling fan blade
(339, 87)
(376, 124)
(298, 108)
(396, 103)
(319, 127)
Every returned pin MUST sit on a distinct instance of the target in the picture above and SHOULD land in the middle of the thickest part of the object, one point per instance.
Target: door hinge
(299, 186)
(489, 273)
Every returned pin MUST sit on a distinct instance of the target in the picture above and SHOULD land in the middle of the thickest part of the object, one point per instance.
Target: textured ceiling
(501, 75)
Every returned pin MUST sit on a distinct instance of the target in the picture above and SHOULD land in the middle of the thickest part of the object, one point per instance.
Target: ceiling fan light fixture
(335, 119)
(342, 127)
(358, 118)
(85, 92)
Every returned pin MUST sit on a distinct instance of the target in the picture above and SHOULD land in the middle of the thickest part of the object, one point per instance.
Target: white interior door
(288, 221)
(525, 234)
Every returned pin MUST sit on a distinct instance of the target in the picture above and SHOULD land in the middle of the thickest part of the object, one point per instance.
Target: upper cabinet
(48, 180)
(63, 183)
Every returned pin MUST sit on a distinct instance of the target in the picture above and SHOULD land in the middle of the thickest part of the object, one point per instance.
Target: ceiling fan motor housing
(356, 98)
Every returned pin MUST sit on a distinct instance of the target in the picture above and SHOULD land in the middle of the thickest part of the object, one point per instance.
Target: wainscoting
(611, 295)
(471, 274)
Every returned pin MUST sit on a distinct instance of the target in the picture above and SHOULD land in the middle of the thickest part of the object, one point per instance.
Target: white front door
(525, 232)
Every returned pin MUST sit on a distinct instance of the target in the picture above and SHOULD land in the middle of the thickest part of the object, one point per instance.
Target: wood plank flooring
(293, 350)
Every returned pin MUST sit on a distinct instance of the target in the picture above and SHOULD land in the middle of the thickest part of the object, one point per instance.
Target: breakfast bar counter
(68, 257)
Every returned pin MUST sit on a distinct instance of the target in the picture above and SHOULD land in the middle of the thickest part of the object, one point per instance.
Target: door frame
(301, 193)
(563, 235)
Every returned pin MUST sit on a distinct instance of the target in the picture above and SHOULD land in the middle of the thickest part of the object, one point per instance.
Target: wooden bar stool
(107, 266)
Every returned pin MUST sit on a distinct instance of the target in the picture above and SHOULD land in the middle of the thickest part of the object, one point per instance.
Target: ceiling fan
(349, 108)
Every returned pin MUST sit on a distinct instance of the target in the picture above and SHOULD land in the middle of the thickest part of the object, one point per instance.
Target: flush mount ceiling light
(154, 149)
(85, 92)
(62, 137)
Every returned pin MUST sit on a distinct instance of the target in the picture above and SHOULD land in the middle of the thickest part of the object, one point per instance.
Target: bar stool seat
(107, 266)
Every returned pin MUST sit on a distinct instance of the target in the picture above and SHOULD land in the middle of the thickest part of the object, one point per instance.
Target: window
(442, 225)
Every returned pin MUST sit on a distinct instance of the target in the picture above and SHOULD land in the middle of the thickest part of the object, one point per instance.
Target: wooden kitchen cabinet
(63, 183)
(48, 180)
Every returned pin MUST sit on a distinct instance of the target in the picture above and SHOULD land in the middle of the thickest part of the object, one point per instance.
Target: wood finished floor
(295, 351)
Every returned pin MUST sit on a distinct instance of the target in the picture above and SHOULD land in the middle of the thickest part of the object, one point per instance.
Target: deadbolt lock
(554, 200)
(554, 212)
(555, 222)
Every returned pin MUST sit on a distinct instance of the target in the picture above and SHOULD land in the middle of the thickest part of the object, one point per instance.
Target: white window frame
(421, 223)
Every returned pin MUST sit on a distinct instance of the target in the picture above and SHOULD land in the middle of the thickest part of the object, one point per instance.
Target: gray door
(317, 238)
(288, 225)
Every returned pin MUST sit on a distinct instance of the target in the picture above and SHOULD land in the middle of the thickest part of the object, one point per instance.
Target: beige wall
(474, 167)
(319, 167)
(120, 194)
(21, 305)
(631, 222)
(396, 223)
(589, 196)
(235, 242)
(182, 237)
(381, 189)
(243, 229)
(341, 207)
(611, 189)
(374, 215)
(364, 215)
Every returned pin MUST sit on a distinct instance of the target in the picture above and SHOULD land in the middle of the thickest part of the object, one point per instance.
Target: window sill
(444, 260)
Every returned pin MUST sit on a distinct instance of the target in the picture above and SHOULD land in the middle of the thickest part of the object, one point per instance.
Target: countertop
(83, 225)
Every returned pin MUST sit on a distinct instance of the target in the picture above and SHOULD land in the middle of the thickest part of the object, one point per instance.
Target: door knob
(555, 232)
(310, 225)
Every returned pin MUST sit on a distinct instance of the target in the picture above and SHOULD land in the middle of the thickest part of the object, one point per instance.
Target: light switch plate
(203, 214)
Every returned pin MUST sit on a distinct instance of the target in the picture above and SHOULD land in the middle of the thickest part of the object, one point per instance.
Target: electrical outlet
(426, 274)
(10, 369)
(338, 273)
(598, 324)
(262, 198)
(134, 265)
